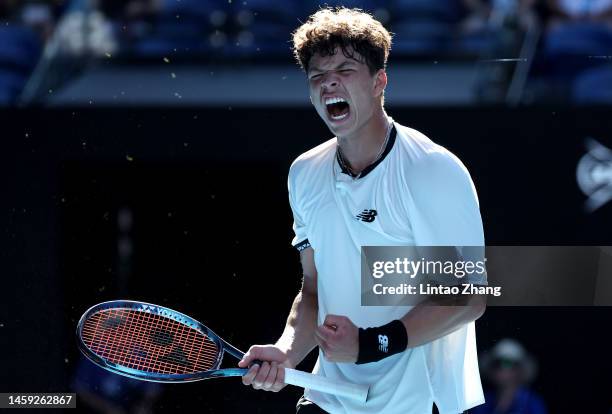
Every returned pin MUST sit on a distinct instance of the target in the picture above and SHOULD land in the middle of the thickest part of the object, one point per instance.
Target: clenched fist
(338, 338)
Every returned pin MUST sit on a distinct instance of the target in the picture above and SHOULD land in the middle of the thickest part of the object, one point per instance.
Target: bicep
(309, 270)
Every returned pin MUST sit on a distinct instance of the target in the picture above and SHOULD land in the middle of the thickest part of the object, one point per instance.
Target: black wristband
(378, 343)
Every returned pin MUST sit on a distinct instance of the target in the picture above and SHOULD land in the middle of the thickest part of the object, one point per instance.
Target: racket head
(150, 342)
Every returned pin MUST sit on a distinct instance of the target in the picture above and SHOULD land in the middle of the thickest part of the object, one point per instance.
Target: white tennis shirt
(418, 193)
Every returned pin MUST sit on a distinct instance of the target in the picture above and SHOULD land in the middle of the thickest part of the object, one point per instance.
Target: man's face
(343, 91)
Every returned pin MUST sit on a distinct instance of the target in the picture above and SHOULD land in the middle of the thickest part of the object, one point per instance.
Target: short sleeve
(300, 240)
(446, 206)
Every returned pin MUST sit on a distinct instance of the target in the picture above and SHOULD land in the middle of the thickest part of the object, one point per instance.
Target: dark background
(149, 155)
(212, 226)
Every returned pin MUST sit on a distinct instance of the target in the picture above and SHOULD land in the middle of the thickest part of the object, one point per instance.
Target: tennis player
(375, 183)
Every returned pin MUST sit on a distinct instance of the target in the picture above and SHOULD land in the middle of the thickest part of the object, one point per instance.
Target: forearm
(298, 338)
(429, 321)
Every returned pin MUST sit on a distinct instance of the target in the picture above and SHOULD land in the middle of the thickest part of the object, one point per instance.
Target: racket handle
(358, 392)
(256, 361)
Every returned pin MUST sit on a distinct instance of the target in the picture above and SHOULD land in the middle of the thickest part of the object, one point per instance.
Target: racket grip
(358, 392)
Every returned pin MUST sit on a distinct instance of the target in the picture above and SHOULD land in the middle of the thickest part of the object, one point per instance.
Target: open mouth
(337, 108)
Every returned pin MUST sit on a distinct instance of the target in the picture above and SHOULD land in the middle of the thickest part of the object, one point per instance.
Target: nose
(329, 81)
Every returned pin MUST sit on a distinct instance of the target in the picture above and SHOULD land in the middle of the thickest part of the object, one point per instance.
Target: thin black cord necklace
(345, 165)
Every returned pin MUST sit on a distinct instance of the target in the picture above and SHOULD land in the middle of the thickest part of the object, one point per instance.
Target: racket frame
(214, 372)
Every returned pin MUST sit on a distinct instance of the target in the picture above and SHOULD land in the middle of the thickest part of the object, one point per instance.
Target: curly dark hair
(352, 30)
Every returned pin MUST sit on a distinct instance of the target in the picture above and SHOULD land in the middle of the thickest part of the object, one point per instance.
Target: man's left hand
(338, 338)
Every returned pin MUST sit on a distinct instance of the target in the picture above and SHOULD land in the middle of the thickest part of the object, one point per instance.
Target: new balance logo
(367, 215)
(383, 343)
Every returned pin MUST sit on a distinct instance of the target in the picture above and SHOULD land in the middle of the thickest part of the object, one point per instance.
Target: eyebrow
(340, 66)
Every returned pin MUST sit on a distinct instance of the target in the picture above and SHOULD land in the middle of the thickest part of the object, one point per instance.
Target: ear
(380, 82)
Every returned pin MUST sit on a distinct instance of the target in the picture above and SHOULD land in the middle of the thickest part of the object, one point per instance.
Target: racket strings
(148, 342)
(131, 343)
(161, 338)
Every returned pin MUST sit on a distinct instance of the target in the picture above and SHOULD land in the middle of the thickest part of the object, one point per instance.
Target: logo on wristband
(383, 343)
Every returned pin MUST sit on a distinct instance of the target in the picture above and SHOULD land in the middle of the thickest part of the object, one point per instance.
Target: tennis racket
(153, 343)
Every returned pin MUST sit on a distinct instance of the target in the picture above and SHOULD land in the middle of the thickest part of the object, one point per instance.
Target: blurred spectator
(262, 28)
(578, 28)
(497, 31)
(41, 16)
(577, 43)
(477, 15)
(510, 370)
(131, 9)
(496, 26)
(130, 20)
(593, 11)
(157, 28)
(482, 14)
(424, 27)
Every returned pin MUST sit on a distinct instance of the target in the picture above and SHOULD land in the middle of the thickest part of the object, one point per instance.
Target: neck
(361, 148)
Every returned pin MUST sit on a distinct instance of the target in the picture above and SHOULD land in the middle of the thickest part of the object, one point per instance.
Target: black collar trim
(370, 167)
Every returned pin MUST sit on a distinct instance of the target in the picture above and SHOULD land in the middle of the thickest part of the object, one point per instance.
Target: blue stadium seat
(11, 84)
(195, 9)
(478, 43)
(593, 86)
(19, 53)
(21, 46)
(579, 39)
(573, 47)
(370, 6)
(424, 27)
(263, 28)
(182, 27)
(449, 11)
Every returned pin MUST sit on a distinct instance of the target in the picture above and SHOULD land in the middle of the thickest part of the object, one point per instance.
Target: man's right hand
(270, 376)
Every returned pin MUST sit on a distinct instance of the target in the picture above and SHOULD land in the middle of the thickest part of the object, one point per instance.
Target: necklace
(345, 165)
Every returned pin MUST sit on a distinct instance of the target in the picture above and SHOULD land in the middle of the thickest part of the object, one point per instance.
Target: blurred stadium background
(146, 147)
(461, 52)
